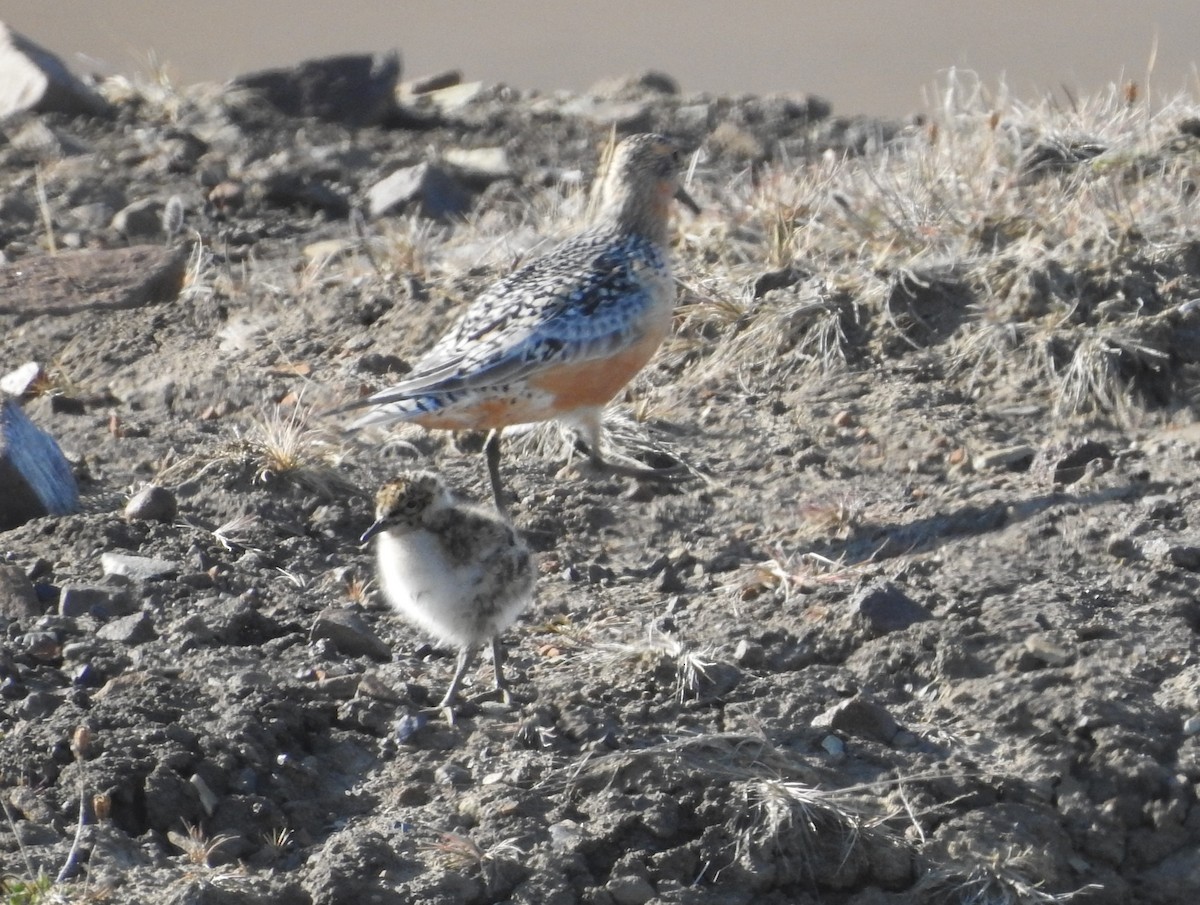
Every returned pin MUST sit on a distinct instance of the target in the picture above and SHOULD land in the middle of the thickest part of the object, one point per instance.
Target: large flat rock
(353, 89)
(34, 79)
(92, 280)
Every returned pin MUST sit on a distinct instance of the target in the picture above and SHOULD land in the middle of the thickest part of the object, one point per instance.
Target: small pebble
(452, 775)
(1047, 651)
(152, 503)
(1014, 458)
(748, 654)
(833, 746)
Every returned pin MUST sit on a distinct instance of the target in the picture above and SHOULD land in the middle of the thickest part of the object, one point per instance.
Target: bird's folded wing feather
(530, 319)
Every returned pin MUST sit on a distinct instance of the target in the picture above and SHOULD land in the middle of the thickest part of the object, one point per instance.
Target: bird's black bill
(686, 200)
(371, 532)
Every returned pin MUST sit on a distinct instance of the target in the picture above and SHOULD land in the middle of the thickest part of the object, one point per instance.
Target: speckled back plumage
(604, 296)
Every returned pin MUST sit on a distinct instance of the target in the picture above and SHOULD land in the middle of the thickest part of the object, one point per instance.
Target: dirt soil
(892, 640)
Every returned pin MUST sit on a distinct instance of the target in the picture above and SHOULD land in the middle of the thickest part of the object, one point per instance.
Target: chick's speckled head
(402, 501)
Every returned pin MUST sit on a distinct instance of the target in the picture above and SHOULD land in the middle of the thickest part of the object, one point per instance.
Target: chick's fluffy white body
(460, 603)
(459, 571)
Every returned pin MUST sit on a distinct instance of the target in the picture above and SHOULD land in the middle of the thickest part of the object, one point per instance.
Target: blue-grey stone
(34, 473)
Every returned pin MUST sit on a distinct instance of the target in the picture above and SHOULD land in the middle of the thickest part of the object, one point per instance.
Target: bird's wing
(580, 302)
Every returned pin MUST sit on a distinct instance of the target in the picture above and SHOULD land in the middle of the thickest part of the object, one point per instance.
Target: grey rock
(1171, 553)
(152, 503)
(180, 151)
(630, 890)
(38, 142)
(452, 775)
(294, 190)
(347, 868)
(860, 718)
(92, 279)
(435, 82)
(1123, 546)
(453, 97)
(624, 116)
(93, 216)
(141, 219)
(93, 600)
(32, 78)
(37, 705)
(1068, 461)
(1013, 458)
(1046, 650)
(1161, 507)
(35, 834)
(748, 654)
(668, 581)
(1174, 879)
(566, 835)
(833, 746)
(30, 805)
(650, 82)
(170, 798)
(16, 209)
(482, 165)
(885, 608)
(693, 119)
(18, 600)
(349, 634)
(435, 191)
(37, 479)
(137, 628)
(138, 568)
(232, 621)
(20, 381)
(355, 89)
(1185, 556)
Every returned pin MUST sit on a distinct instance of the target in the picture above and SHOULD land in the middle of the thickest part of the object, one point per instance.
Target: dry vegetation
(1038, 250)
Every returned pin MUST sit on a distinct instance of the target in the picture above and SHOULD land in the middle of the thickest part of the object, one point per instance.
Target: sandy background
(873, 57)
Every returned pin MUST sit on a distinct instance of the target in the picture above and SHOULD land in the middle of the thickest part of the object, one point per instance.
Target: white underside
(441, 598)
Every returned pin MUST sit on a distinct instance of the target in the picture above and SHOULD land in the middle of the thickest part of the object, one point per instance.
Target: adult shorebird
(457, 570)
(560, 337)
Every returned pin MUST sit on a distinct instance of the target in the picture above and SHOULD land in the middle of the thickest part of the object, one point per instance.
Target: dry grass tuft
(196, 845)
(283, 445)
(653, 651)
(795, 824)
(1033, 247)
(457, 852)
(1008, 880)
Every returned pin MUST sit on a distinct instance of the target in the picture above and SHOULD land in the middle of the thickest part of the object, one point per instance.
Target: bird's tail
(388, 413)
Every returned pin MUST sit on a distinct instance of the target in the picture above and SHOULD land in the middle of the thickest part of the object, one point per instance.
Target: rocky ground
(920, 626)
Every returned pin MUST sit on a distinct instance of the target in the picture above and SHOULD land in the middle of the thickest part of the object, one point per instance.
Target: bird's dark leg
(593, 431)
(491, 450)
(465, 656)
(497, 664)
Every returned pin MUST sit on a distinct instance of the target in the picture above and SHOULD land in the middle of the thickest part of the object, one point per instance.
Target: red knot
(456, 570)
(561, 336)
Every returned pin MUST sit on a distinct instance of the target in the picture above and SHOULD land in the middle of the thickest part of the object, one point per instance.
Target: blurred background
(867, 56)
